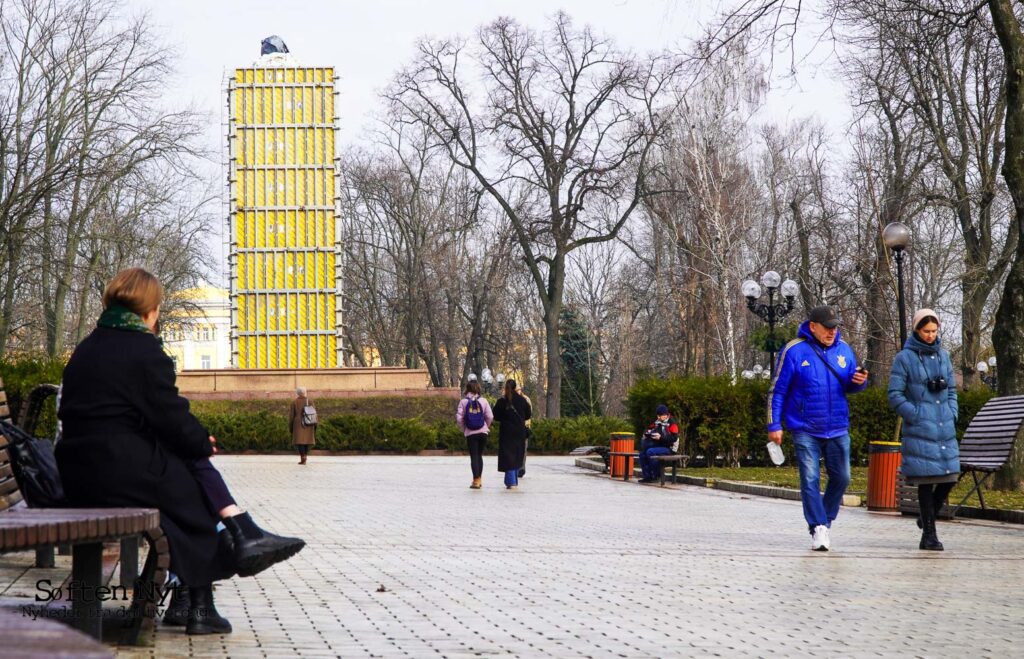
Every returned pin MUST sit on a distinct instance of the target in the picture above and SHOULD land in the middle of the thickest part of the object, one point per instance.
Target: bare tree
(562, 141)
(82, 138)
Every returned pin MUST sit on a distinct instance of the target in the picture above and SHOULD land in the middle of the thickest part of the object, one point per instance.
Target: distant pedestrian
(474, 418)
(303, 434)
(922, 390)
(660, 438)
(512, 412)
(529, 431)
(814, 374)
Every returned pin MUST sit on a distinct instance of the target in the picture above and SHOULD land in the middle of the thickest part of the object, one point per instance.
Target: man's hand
(213, 440)
(860, 376)
(775, 436)
(655, 435)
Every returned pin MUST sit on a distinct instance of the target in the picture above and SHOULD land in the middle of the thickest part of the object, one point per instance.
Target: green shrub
(21, 374)
(719, 419)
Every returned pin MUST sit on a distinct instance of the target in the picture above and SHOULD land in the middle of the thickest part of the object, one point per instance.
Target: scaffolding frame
(284, 238)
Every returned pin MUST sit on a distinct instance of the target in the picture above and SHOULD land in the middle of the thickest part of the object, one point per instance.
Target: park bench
(985, 447)
(86, 529)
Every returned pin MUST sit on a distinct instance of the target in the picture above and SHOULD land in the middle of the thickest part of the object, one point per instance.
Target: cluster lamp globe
(982, 367)
(750, 289)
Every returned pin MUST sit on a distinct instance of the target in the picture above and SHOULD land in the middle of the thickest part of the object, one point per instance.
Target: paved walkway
(574, 564)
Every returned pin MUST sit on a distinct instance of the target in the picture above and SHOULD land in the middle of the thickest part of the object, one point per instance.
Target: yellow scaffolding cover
(285, 261)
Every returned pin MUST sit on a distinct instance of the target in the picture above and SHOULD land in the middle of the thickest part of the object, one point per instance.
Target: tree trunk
(1008, 334)
(552, 310)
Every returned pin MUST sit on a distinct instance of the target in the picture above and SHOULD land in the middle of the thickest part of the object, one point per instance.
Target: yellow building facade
(284, 229)
(198, 336)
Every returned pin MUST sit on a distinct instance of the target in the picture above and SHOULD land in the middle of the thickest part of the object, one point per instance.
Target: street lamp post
(756, 372)
(983, 369)
(896, 237)
(771, 312)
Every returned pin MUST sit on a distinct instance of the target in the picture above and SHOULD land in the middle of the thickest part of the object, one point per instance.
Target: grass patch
(788, 476)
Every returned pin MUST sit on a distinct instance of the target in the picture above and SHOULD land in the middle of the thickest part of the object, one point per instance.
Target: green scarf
(117, 317)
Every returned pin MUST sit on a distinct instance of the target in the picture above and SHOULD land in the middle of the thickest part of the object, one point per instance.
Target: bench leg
(129, 560)
(86, 573)
(44, 556)
(148, 593)
(674, 465)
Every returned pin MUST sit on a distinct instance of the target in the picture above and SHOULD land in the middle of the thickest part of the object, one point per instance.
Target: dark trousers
(303, 449)
(212, 484)
(476, 444)
(931, 497)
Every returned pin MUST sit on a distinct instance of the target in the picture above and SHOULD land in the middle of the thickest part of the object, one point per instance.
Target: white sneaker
(820, 541)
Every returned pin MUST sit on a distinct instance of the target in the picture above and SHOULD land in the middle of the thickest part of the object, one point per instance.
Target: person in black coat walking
(512, 412)
(129, 440)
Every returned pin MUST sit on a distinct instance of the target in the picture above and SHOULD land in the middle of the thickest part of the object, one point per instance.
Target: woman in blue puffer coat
(922, 390)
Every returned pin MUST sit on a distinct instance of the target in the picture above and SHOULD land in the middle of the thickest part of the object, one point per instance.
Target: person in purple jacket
(815, 372)
(474, 418)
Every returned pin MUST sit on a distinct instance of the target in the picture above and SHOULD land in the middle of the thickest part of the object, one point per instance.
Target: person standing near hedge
(303, 436)
(512, 412)
(922, 390)
(814, 374)
(474, 418)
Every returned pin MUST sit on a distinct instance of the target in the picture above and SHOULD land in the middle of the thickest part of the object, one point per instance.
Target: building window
(204, 361)
(206, 334)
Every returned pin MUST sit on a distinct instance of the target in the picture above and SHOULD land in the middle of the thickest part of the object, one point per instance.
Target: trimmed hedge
(719, 419)
(267, 430)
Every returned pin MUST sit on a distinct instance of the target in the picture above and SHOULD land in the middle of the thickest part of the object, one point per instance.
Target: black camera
(937, 383)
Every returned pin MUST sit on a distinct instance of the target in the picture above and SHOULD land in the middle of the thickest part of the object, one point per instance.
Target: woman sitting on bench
(130, 440)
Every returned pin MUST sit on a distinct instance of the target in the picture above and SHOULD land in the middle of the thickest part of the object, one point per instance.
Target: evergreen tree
(580, 384)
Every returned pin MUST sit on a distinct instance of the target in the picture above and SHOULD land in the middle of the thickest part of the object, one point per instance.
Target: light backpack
(474, 417)
(309, 417)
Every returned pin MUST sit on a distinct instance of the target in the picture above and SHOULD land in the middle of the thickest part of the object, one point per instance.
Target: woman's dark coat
(511, 432)
(128, 438)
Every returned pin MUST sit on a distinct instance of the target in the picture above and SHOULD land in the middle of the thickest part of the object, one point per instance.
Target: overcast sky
(368, 40)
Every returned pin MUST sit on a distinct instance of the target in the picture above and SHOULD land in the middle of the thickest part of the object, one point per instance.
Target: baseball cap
(661, 409)
(824, 315)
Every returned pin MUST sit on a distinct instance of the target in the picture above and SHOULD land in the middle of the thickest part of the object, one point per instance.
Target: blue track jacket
(805, 395)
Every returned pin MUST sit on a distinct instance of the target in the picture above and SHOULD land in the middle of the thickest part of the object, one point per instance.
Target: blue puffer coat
(807, 396)
(929, 418)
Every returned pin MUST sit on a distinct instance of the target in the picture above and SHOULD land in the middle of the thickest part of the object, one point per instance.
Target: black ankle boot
(929, 538)
(202, 615)
(256, 549)
(176, 613)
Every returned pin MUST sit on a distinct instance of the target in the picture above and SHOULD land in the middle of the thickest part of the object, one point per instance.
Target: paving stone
(575, 564)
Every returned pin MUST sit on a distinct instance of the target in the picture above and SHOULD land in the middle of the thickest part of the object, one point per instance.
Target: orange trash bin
(883, 461)
(621, 442)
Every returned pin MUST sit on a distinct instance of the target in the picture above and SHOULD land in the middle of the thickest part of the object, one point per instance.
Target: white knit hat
(921, 315)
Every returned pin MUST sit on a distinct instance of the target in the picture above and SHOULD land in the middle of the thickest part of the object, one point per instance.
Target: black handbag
(35, 468)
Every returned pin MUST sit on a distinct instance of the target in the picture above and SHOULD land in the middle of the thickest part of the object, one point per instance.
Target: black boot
(929, 540)
(176, 613)
(256, 549)
(202, 615)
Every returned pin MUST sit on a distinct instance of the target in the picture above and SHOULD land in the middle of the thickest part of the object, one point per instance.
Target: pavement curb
(850, 500)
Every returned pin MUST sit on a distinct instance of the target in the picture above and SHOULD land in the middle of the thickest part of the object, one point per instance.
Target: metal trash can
(621, 442)
(883, 462)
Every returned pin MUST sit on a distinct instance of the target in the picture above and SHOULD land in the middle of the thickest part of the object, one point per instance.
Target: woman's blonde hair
(134, 289)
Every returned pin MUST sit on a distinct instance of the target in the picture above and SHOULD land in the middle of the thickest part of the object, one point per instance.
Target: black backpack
(35, 467)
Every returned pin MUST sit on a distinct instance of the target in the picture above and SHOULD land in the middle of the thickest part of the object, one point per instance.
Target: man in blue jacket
(808, 398)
